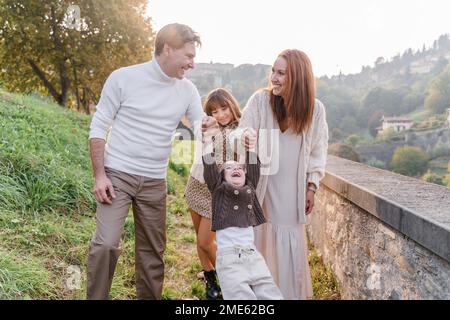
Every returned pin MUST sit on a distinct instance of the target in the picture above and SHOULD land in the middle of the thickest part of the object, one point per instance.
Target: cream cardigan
(258, 115)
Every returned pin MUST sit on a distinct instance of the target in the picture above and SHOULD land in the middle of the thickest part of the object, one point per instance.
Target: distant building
(399, 124)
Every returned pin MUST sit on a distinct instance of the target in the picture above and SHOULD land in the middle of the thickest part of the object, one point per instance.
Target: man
(142, 104)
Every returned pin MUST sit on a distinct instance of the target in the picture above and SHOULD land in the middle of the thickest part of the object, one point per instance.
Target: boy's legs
(104, 248)
(149, 208)
(261, 280)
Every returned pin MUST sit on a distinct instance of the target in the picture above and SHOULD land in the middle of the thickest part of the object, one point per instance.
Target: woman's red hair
(296, 106)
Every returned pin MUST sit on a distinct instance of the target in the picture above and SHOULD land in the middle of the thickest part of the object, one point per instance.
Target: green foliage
(374, 162)
(325, 286)
(438, 96)
(352, 140)
(343, 151)
(50, 54)
(432, 177)
(43, 152)
(447, 177)
(384, 100)
(410, 161)
(390, 135)
(441, 150)
(181, 169)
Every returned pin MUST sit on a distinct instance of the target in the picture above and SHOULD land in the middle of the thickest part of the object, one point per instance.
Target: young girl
(242, 271)
(221, 105)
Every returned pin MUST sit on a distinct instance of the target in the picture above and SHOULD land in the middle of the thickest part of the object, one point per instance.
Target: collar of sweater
(159, 73)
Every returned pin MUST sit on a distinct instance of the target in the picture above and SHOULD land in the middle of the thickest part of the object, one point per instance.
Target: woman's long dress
(282, 240)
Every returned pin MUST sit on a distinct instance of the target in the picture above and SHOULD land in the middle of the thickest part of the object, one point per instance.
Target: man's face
(234, 173)
(180, 60)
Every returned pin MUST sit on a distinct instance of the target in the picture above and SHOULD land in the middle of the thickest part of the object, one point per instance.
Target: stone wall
(385, 236)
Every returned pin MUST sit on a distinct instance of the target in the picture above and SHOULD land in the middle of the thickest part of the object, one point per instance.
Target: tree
(410, 161)
(374, 123)
(352, 140)
(380, 60)
(438, 96)
(343, 151)
(380, 99)
(387, 135)
(44, 51)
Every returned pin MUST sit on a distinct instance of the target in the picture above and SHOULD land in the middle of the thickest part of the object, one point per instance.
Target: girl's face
(278, 76)
(234, 173)
(222, 113)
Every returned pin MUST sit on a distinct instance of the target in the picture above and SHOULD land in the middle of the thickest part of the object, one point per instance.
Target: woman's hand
(309, 205)
(249, 138)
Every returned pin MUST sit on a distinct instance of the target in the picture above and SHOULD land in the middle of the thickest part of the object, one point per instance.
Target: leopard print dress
(197, 194)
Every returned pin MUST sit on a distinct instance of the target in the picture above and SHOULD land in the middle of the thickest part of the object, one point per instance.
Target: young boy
(241, 269)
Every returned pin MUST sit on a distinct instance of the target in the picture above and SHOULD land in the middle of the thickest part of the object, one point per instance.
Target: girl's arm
(211, 172)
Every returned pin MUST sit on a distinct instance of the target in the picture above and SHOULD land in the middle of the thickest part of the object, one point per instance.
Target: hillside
(392, 86)
(408, 84)
(47, 212)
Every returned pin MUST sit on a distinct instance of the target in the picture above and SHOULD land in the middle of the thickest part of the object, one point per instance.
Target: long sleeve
(211, 172)
(318, 155)
(253, 167)
(195, 113)
(250, 119)
(107, 108)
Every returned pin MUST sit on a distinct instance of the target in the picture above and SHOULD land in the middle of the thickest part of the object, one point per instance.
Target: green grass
(47, 211)
(325, 285)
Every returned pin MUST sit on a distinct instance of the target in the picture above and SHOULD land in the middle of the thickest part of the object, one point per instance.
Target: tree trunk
(47, 83)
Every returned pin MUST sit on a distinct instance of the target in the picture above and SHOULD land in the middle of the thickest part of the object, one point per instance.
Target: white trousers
(243, 275)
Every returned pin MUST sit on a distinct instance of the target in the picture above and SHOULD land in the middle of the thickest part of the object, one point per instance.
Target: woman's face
(278, 76)
(223, 114)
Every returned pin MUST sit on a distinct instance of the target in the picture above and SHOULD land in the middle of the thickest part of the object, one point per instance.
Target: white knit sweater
(142, 106)
(258, 115)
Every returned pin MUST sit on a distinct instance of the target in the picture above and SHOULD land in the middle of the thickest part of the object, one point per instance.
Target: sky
(338, 36)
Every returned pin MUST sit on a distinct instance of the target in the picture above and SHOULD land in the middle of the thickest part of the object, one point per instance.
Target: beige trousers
(243, 275)
(148, 199)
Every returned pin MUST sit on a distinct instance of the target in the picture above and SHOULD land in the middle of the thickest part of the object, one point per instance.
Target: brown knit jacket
(233, 206)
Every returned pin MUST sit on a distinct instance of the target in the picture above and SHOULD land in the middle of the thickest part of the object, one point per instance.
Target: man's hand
(208, 122)
(104, 190)
(249, 138)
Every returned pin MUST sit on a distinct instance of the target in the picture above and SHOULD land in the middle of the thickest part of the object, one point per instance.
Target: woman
(221, 105)
(293, 134)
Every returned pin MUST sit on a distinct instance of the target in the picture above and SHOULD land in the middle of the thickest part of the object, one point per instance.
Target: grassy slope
(47, 212)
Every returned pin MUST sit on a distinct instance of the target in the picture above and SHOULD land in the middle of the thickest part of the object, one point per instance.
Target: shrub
(432, 177)
(410, 161)
(344, 151)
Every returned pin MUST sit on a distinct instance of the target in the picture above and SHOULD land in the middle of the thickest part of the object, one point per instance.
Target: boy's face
(234, 173)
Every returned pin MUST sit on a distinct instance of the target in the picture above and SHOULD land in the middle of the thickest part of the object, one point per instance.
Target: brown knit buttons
(249, 191)
(249, 207)
(236, 207)
(236, 192)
